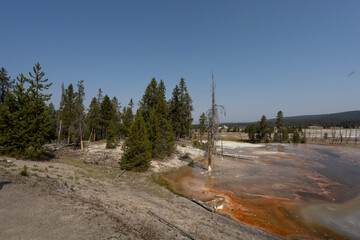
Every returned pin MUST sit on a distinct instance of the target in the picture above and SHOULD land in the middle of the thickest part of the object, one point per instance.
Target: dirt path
(68, 199)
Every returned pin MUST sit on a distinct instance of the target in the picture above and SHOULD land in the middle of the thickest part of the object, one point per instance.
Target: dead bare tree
(333, 134)
(213, 123)
(356, 136)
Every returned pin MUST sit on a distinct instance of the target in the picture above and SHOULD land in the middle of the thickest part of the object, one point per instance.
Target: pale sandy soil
(66, 198)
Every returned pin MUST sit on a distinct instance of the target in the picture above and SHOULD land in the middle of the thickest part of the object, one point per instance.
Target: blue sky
(266, 56)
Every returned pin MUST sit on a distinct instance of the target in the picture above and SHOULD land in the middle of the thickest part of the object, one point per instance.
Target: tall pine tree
(39, 118)
(5, 84)
(137, 150)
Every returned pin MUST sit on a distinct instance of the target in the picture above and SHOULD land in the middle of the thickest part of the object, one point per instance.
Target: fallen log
(174, 226)
(203, 205)
(119, 175)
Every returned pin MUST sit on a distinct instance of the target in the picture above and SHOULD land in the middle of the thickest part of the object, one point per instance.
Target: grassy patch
(37, 169)
(102, 173)
(7, 165)
(161, 179)
(24, 172)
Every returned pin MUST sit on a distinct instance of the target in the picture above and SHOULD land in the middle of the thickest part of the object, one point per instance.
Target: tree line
(265, 131)
(28, 121)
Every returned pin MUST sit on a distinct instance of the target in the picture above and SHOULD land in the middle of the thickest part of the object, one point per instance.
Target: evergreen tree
(264, 130)
(53, 121)
(165, 137)
(93, 119)
(186, 107)
(251, 130)
(137, 150)
(279, 127)
(180, 111)
(153, 132)
(39, 118)
(128, 119)
(80, 95)
(149, 99)
(107, 114)
(68, 115)
(154, 103)
(175, 112)
(296, 136)
(14, 131)
(112, 138)
(202, 125)
(5, 84)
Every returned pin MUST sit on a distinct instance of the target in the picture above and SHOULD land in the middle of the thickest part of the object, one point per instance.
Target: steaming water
(325, 180)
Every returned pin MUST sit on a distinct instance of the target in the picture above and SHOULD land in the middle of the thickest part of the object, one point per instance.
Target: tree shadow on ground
(3, 183)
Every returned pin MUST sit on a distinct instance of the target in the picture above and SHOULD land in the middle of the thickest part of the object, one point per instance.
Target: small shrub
(183, 145)
(185, 156)
(24, 172)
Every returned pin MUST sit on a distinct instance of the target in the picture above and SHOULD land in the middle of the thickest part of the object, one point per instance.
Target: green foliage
(107, 111)
(185, 156)
(264, 130)
(5, 84)
(127, 118)
(251, 131)
(112, 138)
(25, 120)
(93, 119)
(202, 125)
(137, 148)
(200, 145)
(296, 137)
(24, 172)
(155, 110)
(180, 111)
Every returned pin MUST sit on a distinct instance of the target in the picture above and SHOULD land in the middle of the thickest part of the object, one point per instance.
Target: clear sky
(294, 56)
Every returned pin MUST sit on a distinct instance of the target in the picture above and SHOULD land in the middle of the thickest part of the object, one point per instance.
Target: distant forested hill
(343, 119)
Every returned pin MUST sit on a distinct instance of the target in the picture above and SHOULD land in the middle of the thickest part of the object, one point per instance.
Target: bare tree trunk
(341, 136)
(59, 134)
(356, 136)
(348, 139)
(68, 138)
(211, 149)
(81, 141)
(92, 129)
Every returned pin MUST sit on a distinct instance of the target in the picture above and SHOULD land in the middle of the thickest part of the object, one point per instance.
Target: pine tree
(53, 121)
(107, 114)
(39, 118)
(15, 135)
(153, 131)
(154, 103)
(165, 137)
(68, 114)
(279, 127)
(127, 118)
(112, 138)
(149, 99)
(93, 119)
(264, 130)
(175, 112)
(296, 136)
(187, 107)
(80, 95)
(137, 151)
(180, 111)
(202, 125)
(5, 84)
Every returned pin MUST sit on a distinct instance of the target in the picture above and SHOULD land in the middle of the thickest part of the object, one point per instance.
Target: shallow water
(273, 186)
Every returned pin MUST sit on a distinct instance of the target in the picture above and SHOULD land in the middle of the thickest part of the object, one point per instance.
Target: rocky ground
(79, 195)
